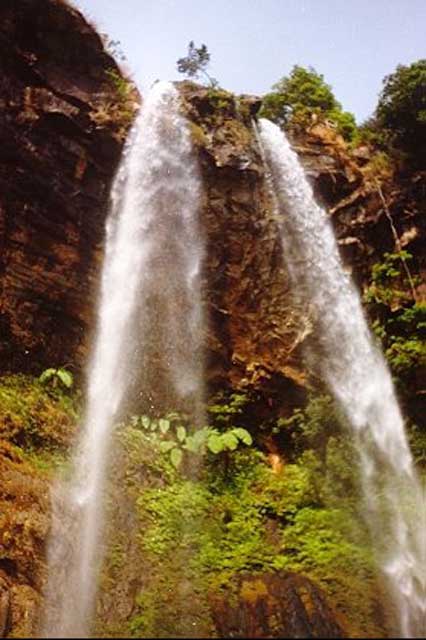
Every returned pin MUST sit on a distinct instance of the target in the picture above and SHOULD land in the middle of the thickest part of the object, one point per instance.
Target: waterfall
(352, 366)
(149, 317)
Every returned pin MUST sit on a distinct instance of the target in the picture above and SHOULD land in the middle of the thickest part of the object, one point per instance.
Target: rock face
(247, 287)
(64, 112)
(61, 135)
(256, 331)
(279, 605)
(24, 526)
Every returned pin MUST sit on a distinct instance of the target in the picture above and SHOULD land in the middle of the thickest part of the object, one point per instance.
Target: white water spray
(150, 285)
(356, 373)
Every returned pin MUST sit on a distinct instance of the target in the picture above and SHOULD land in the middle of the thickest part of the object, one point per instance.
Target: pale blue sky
(253, 43)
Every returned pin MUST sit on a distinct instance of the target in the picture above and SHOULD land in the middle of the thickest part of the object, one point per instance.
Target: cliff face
(63, 118)
(247, 287)
(257, 333)
(60, 142)
(64, 112)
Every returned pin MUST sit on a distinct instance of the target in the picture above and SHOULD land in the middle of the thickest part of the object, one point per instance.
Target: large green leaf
(215, 443)
(181, 433)
(146, 422)
(243, 435)
(65, 377)
(166, 445)
(164, 425)
(191, 444)
(230, 441)
(176, 457)
(47, 375)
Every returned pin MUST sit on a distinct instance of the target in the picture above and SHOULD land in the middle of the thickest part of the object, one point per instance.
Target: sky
(254, 43)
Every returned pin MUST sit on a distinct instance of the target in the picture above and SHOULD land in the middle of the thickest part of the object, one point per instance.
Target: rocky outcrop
(374, 209)
(24, 526)
(63, 114)
(256, 330)
(247, 287)
(277, 605)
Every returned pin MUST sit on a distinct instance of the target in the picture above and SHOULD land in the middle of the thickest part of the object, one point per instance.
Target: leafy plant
(57, 377)
(301, 95)
(37, 415)
(401, 109)
(174, 438)
(389, 284)
(116, 109)
(399, 322)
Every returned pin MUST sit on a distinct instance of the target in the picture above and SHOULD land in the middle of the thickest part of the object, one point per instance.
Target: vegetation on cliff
(401, 110)
(37, 425)
(198, 528)
(302, 96)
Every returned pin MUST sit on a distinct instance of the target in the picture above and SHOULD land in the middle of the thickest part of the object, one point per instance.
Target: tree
(295, 98)
(401, 109)
(196, 62)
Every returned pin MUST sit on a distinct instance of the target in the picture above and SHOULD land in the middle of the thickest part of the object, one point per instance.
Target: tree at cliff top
(196, 62)
(401, 109)
(304, 96)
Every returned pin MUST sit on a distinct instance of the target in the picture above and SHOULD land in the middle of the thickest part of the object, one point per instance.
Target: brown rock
(278, 605)
(247, 288)
(56, 167)
(4, 606)
(24, 610)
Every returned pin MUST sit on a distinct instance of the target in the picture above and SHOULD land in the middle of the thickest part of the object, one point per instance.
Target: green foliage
(117, 107)
(405, 354)
(256, 521)
(401, 109)
(197, 531)
(122, 86)
(310, 428)
(226, 408)
(173, 438)
(220, 99)
(344, 121)
(372, 133)
(417, 438)
(399, 322)
(57, 376)
(390, 285)
(301, 95)
(321, 538)
(195, 62)
(35, 414)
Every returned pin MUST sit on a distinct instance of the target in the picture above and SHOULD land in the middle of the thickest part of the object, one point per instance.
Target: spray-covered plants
(208, 506)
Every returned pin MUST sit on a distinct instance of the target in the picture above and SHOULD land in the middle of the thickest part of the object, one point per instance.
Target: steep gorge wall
(62, 133)
(60, 144)
(61, 141)
(257, 332)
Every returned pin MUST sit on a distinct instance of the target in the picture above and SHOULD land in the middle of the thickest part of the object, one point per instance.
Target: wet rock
(252, 103)
(60, 147)
(278, 605)
(4, 606)
(24, 611)
(247, 288)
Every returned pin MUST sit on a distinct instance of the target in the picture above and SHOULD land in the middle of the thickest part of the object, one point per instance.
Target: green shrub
(35, 415)
(401, 109)
(302, 94)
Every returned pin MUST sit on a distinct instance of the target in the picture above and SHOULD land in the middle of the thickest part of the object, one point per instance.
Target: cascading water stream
(355, 371)
(150, 288)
